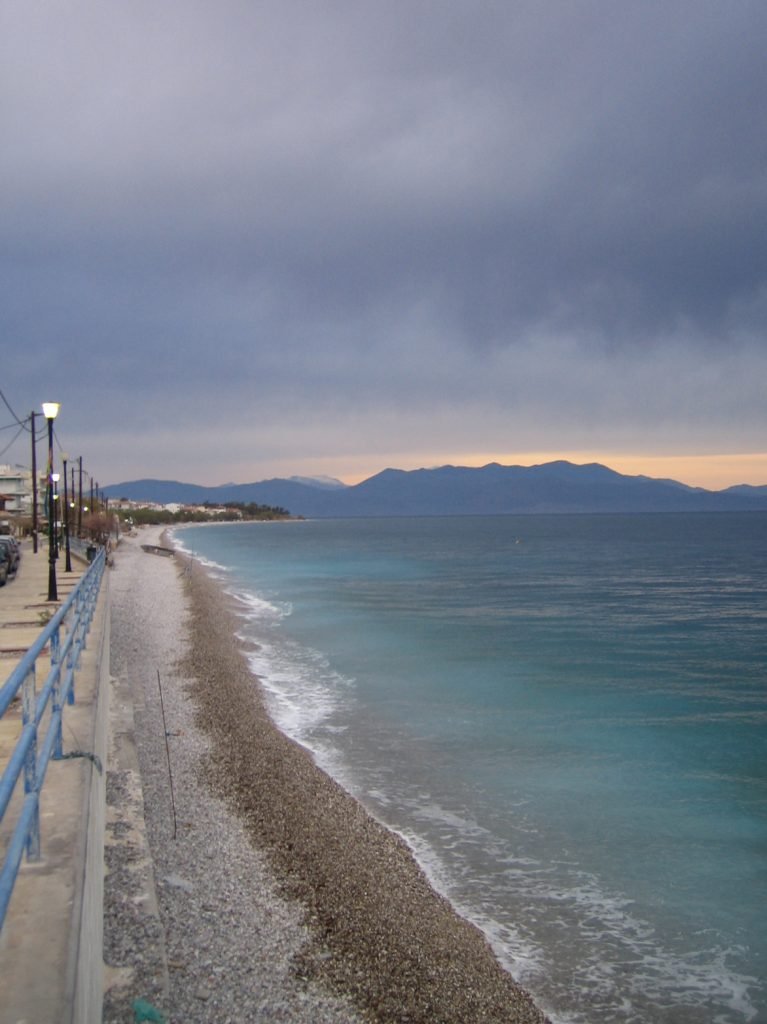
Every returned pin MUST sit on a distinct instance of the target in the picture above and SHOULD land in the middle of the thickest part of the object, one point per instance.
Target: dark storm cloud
(379, 214)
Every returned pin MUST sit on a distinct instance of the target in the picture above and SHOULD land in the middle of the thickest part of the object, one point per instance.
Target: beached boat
(157, 549)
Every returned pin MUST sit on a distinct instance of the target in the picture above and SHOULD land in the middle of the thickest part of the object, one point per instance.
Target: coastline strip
(381, 934)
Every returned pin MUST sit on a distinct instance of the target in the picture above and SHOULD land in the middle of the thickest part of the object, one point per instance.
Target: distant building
(16, 491)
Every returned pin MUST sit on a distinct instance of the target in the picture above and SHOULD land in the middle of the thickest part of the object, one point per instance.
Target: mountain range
(554, 487)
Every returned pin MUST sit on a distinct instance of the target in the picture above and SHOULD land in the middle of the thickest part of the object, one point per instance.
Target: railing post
(28, 702)
(56, 696)
(85, 614)
(71, 626)
(82, 611)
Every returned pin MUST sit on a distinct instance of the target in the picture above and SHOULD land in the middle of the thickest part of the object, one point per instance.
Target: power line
(18, 433)
(21, 423)
(23, 427)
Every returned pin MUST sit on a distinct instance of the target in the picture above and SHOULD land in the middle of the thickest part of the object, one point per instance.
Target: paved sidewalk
(50, 929)
(24, 604)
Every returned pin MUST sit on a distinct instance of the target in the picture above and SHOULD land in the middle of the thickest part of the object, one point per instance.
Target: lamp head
(50, 410)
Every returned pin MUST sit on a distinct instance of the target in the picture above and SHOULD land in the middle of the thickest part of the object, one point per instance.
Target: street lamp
(68, 563)
(34, 482)
(56, 541)
(80, 499)
(50, 411)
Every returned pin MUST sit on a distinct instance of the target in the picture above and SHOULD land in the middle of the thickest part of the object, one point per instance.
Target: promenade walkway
(51, 942)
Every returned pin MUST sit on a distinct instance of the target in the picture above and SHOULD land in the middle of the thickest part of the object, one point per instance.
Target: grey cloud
(350, 209)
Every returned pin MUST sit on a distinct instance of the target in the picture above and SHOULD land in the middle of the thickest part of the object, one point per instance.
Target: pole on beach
(167, 754)
(50, 411)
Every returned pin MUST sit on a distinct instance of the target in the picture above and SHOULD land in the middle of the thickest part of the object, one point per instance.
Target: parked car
(5, 562)
(11, 548)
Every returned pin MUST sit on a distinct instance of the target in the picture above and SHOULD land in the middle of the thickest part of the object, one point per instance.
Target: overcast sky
(253, 238)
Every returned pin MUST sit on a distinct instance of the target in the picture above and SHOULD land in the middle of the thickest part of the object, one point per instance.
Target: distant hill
(327, 482)
(747, 491)
(290, 494)
(458, 490)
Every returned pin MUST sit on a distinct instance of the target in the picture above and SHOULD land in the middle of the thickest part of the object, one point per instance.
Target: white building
(16, 491)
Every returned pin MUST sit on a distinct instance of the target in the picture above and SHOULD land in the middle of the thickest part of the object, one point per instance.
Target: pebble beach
(263, 891)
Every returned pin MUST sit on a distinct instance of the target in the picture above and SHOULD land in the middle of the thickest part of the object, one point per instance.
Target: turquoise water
(565, 716)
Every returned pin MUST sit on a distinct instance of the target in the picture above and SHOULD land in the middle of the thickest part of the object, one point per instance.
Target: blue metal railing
(65, 636)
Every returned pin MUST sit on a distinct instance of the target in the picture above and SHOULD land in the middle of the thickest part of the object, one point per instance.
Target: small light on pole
(56, 543)
(50, 411)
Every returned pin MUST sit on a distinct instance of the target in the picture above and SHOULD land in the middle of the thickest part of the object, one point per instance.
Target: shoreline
(380, 933)
(194, 920)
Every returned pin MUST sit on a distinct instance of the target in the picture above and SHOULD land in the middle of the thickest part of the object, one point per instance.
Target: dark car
(5, 562)
(10, 547)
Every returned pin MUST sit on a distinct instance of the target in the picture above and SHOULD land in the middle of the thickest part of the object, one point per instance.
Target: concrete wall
(88, 940)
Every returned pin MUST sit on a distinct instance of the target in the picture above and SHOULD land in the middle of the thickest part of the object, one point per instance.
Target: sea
(565, 717)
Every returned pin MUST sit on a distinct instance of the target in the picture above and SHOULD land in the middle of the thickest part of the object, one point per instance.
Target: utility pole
(34, 484)
(68, 563)
(50, 411)
(80, 501)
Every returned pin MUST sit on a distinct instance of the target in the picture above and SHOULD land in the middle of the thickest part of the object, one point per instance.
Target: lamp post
(50, 411)
(80, 500)
(56, 540)
(72, 506)
(68, 562)
(34, 483)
